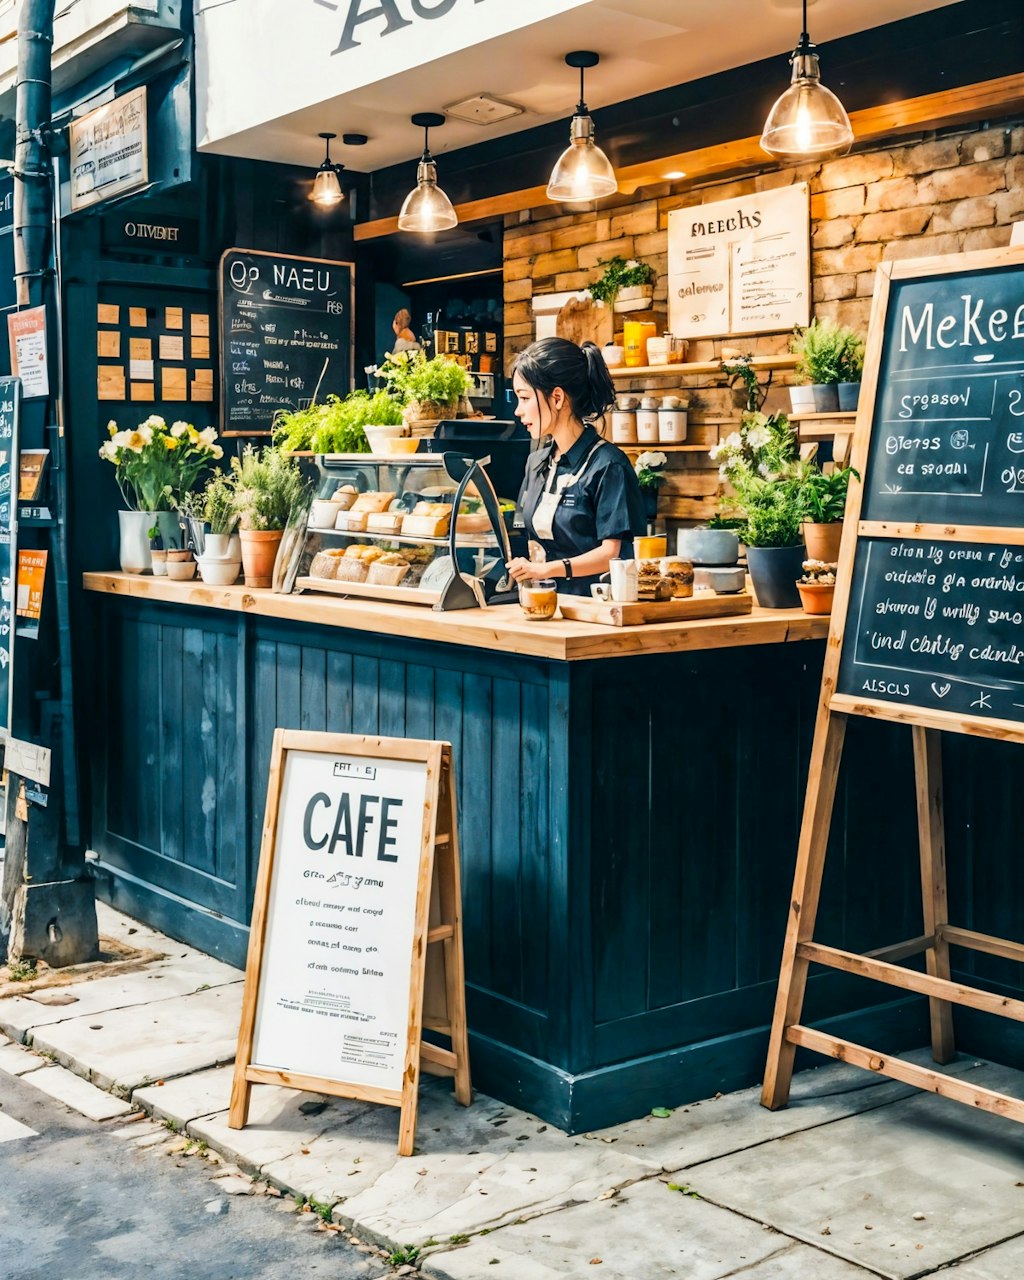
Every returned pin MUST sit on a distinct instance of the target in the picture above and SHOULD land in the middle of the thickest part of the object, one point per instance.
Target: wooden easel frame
(800, 950)
(438, 919)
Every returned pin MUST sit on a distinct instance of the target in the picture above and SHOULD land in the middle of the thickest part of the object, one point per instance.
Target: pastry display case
(422, 529)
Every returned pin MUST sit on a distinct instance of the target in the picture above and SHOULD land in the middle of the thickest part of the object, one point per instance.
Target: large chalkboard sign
(934, 562)
(10, 410)
(286, 327)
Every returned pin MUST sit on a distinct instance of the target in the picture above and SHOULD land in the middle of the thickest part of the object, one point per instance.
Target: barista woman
(580, 499)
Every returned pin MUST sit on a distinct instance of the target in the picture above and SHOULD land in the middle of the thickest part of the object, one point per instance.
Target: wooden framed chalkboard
(358, 875)
(287, 335)
(928, 620)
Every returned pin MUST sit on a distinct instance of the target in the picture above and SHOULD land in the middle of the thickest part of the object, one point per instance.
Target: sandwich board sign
(927, 624)
(358, 875)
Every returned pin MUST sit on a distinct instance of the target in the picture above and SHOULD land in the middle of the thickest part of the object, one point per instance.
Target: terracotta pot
(816, 597)
(259, 551)
(822, 541)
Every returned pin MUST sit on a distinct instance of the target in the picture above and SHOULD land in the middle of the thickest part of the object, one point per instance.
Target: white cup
(601, 591)
(624, 583)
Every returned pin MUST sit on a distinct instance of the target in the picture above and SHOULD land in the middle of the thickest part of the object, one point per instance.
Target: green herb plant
(828, 353)
(337, 425)
(409, 375)
(760, 462)
(619, 273)
(267, 487)
(823, 497)
(219, 509)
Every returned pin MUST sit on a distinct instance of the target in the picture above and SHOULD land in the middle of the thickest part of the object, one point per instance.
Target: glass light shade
(808, 122)
(326, 187)
(427, 208)
(583, 171)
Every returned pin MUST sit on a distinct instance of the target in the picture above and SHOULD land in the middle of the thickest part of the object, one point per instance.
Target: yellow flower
(217, 452)
(111, 427)
(170, 442)
(193, 435)
(135, 442)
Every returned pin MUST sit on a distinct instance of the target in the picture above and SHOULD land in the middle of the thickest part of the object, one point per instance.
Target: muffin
(680, 574)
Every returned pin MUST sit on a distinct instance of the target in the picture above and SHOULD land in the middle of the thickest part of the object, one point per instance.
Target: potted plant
(650, 468)
(827, 354)
(822, 505)
(157, 551)
(339, 425)
(268, 488)
(817, 586)
(220, 513)
(748, 392)
(760, 463)
(626, 284)
(155, 464)
(428, 389)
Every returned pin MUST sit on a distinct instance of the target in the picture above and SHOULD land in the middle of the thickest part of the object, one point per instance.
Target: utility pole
(47, 904)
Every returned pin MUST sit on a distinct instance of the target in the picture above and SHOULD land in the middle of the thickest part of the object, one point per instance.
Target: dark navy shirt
(604, 503)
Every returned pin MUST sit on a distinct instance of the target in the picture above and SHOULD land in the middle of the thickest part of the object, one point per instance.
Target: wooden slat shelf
(847, 415)
(698, 367)
(665, 448)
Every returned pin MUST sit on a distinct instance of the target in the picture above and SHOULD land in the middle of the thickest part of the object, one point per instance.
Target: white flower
(120, 439)
(154, 420)
(217, 452)
(631, 263)
(651, 461)
(715, 452)
(146, 431)
(207, 436)
(758, 437)
(733, 441)
(179, 429)
(723, 471)
(108, 451)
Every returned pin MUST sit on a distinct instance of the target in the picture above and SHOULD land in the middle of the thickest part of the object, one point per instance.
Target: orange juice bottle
(634, 339)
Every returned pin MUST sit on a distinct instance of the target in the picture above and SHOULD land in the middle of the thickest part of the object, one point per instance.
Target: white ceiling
(645, 45)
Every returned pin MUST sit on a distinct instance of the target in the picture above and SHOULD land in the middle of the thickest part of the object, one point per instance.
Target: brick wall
(931, 195)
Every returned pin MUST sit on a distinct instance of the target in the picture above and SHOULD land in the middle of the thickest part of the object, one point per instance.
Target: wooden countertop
(501, 629)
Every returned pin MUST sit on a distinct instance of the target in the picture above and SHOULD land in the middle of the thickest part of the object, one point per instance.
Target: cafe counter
(629, 802)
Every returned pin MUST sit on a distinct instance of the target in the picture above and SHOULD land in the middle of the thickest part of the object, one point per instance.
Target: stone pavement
(859, 1177)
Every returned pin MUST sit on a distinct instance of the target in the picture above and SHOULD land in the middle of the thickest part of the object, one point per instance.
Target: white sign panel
(334, 986)
(109, 150)
(740, 266)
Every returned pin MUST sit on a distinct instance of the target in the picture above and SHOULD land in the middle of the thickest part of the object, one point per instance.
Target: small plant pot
(428, 411)
(159, 559)
(259, 551)
(849, 394)
(225, 546)
(218, 573)
(822, 541)
(801, 399)
(773, 575)
(826, 397)
(708, 546)
(181, 570)
(816, 597)
(634, 297)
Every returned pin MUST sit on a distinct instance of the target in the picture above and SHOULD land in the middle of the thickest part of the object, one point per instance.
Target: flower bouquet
(157, 463)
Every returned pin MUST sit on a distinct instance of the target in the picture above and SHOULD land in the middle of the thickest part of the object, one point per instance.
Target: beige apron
(551, 496)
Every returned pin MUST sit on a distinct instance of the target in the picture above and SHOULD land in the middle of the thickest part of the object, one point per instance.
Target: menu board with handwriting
(286, 335)
(10, 409)
(936, 608)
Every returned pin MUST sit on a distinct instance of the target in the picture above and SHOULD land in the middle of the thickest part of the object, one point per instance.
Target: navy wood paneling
(628, 834)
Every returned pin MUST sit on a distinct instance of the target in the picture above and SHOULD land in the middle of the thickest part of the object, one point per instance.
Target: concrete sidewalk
(859, 1177)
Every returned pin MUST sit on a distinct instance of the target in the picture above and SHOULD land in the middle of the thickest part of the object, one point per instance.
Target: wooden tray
(704, 604)
(369, 591)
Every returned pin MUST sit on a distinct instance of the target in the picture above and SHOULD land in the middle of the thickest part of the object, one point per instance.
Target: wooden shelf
(847, 415)
(664, 448)
(698, 367)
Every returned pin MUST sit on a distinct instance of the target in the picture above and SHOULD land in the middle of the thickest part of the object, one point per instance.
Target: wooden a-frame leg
(823, 773)
(932, 841)
(447, 869)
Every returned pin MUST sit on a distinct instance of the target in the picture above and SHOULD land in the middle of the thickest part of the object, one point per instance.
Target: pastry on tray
(351, 569)
(373, 500)
(388, 570)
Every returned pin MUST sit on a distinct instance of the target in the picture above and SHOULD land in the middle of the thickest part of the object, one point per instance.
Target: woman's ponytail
(599, 382)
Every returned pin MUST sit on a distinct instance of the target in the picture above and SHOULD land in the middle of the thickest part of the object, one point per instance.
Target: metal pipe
(33, 217)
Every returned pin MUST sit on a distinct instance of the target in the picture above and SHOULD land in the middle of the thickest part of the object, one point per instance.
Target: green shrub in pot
(427, 388)
(270, 492)
(822, 506)
(337, 425)
(828, 354)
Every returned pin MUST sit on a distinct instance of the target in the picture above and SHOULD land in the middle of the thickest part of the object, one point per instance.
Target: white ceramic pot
(225, 546)
(218, 573)
(376, 435)
(801, 399)
(134, 528)
(181, 570)
(708, 546)
(671, 426)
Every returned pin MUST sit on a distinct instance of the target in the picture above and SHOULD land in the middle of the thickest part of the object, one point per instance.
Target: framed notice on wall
(358, 873)
(10, 413)
(740, 266)
(109, 150)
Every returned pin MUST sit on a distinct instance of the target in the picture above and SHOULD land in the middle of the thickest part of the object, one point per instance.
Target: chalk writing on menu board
(939, 623)
(10, 405)
(947, 445)
(334, 985)
(286, 334)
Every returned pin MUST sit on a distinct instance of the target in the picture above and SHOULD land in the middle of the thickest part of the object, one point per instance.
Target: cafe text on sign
(358, 874)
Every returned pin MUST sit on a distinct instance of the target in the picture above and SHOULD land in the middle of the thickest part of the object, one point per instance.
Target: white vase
(134, 551)
(223, 546)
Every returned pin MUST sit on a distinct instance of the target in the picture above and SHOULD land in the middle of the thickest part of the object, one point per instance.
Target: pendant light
(583, 171)
(808, 122)
(326, 187)
(427, 208)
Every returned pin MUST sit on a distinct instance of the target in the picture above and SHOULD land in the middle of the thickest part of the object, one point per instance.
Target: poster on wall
(740, 266)
(10, 410)
(109, 150)
(26, 334)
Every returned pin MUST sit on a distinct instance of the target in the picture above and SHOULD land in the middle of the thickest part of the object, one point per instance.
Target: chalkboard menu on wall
(10, 408)
(935, 615)
(286, 334)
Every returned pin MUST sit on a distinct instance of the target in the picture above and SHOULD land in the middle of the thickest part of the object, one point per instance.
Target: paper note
(31, 576)
(137, 317)
(141, 370)
(174, 318)
(108, 313)
(140, 348)
(108, 343)
(173, 384)
(143, 391)
(200, 325)
(171, 347)
(26, 331)
(200, 348)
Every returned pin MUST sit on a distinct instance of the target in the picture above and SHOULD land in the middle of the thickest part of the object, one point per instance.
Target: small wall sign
(109, 150)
